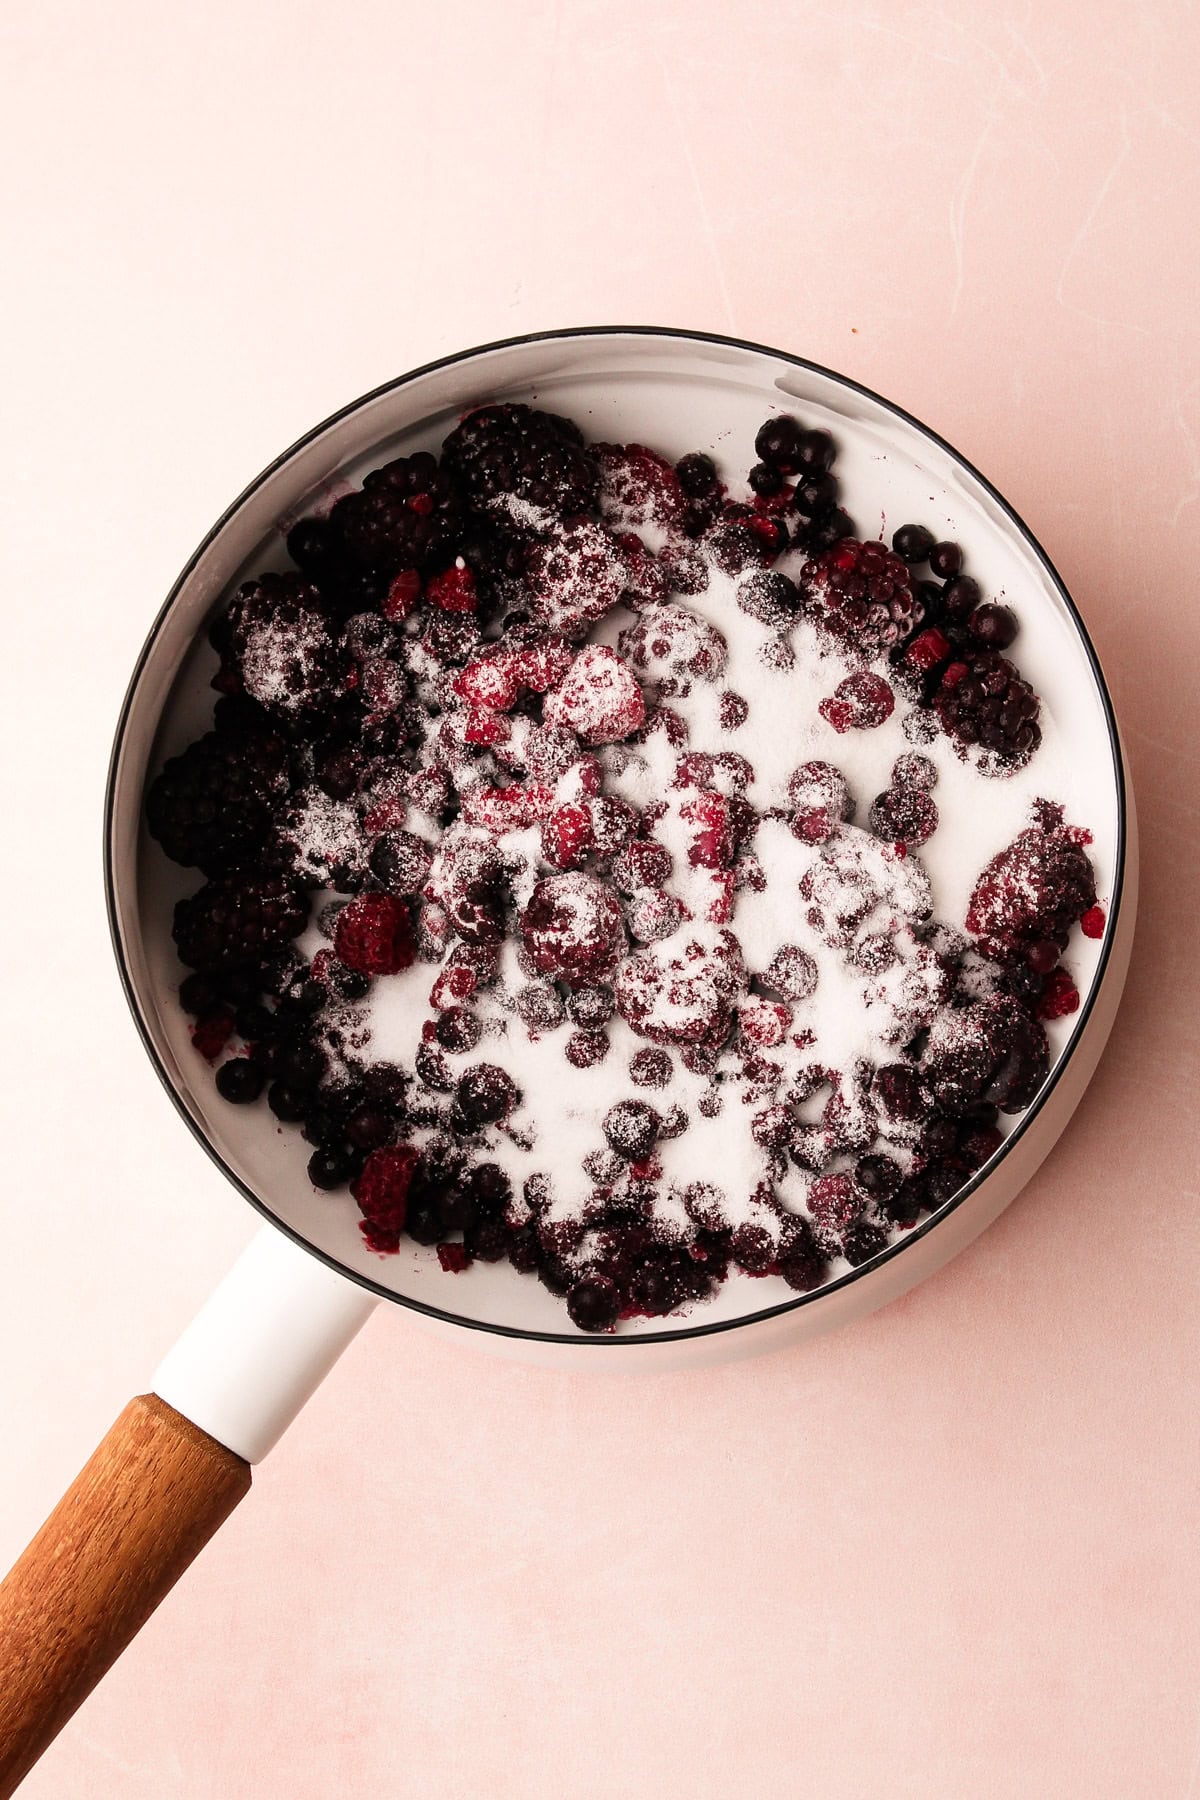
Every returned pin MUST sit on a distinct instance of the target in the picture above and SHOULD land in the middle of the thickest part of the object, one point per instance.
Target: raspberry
(1059, 997)
(382, 1190)
(713, 840)
(642, 864)
(1092, 922)
(765, 1023)
(502, 809)
(454, 1258)
(637, 487)
(511, 450)
(211, 807)
(374, 934)
(834, 1202)
(404, 591)
(492, 680)
(683, 992)
(573, 928)
(543, 663)
(821, 800)
(859, 703)
(988, 704)
(599, 698)
(238, 918)
(926, 651)
(453, 590)
(671, 647)
(567, 836)
(575, 578)
(863, 593)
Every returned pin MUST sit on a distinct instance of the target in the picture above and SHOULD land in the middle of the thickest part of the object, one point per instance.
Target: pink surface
(950, 1551)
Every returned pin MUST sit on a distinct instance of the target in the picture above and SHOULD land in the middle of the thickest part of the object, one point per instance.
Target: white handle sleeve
(262, 1344)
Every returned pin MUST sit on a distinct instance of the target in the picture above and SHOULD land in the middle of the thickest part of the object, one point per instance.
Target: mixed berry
(489, 766)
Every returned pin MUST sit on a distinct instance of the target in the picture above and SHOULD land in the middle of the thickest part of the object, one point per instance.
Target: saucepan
(179, 1457)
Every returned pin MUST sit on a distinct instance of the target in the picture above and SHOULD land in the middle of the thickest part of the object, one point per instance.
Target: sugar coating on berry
(671, 647)
(573, 927)
(599, 698)
(374, 934)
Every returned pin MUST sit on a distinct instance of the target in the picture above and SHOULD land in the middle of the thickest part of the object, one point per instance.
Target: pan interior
(679, 394)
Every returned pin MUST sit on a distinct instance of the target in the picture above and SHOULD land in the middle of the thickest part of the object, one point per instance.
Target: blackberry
(407, 515)
(238, 918)
(210, 808)
(276, 646)
(984, 701)
(1026, 901)
(863, 593)
(992, 1051)
(510, 449)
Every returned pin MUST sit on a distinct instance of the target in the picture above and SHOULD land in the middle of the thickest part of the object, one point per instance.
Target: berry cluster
(418, 745)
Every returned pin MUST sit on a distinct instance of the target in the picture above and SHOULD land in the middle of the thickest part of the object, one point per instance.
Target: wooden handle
(119, 1539)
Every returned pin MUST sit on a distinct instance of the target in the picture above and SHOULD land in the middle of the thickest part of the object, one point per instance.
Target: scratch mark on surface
(958, 208)
(1089, 219)
(701, 203)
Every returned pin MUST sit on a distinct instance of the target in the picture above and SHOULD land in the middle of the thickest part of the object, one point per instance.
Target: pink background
(950, 1551)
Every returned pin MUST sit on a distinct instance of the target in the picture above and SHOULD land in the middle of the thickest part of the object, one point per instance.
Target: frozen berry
(573, 928)
(374, 934)
(945, 559)
(631, 1128)
(914, 771)
(239, 1080)
(211, 807)
(912, 543)
(993, 626)
(792, 973)
(238, 918)
(859, 703)
(983, 701)
(512, 450)
(593, 1303)
(863, 592)
(903, 815)
(586, 1048)
(381, 1188)
(485, 1095)
(650, 1068)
